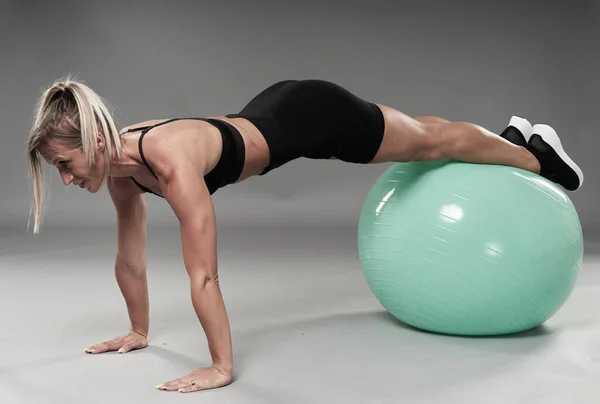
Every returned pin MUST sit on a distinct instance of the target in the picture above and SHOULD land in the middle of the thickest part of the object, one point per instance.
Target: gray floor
(306, 329)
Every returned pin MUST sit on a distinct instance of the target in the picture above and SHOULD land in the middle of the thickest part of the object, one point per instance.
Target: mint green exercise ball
(469, 249)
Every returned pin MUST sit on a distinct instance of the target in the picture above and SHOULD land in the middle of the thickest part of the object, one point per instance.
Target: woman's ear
(101, 141)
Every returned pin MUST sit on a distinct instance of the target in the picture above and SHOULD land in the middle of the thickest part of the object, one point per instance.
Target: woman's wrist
(133, 330)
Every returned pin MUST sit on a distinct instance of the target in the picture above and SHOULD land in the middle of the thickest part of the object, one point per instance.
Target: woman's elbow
(202, 279)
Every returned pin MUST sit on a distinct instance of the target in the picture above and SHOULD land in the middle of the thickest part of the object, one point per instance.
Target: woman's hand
(201, 379)
(122, 344)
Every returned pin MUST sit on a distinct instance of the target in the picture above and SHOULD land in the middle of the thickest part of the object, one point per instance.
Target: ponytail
(72, 113)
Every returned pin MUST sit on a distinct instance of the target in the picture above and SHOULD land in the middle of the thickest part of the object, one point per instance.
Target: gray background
(305, 326)
(476, 61)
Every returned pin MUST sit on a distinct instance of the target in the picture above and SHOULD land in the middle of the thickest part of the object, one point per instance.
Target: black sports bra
(230, 164)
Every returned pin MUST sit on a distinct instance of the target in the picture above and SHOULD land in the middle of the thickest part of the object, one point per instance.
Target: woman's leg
(428, 138)
(430, 119)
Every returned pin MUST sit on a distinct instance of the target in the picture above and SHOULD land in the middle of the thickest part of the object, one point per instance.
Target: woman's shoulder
(142, 125)
(178, 144)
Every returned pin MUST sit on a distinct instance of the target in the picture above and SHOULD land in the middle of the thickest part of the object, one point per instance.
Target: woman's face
(72, 167)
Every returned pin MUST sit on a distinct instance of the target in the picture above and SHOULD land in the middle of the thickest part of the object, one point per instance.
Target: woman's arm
(182, 184)
(130, 265)
(130, 262)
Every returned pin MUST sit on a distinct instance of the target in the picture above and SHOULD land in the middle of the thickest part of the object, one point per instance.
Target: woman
(185, 160)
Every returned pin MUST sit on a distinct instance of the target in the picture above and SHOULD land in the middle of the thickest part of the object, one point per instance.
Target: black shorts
(315, 119)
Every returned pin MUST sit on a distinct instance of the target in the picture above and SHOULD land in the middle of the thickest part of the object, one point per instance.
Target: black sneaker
(518, 131)
(555, 164)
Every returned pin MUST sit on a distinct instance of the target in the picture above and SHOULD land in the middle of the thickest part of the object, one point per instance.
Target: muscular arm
(182, 184)
(130, 262)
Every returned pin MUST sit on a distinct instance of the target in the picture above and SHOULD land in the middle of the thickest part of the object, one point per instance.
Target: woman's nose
(67, 178)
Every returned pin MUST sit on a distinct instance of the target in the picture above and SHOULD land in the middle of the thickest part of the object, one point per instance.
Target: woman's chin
(89, 186)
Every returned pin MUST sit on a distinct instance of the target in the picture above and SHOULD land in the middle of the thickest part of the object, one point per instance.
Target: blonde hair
(72, 113)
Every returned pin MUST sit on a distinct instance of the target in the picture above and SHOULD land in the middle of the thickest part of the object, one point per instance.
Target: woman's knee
(431, 142)
(409, 139)
(437, 141)
(451, 138)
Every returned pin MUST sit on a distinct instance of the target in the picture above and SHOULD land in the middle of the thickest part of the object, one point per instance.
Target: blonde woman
(185, 160)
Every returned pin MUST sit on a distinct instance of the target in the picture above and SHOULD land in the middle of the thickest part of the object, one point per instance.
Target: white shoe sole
(549, 135)
(522, 125)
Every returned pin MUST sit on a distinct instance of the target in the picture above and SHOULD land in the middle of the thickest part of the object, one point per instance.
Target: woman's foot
(542, 141)
(555, 164)
(518, 131)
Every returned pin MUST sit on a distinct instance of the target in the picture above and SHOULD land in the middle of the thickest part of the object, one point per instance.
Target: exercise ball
(469, 249)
